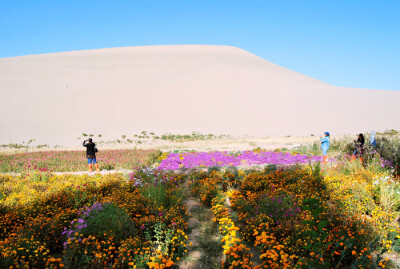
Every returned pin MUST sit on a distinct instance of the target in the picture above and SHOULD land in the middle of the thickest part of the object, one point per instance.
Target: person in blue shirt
(325, 146)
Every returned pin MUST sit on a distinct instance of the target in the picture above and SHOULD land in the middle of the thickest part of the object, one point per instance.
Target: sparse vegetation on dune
(193, 137)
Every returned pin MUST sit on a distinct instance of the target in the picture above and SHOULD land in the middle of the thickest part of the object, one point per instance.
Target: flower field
(304, 217)
(138, 221)
(310, 215)
(71, 161)
(209, 159)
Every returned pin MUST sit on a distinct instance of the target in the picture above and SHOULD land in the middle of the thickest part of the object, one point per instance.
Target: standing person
(359, 147)
(325, 146)
(91, 154)
(372, 140)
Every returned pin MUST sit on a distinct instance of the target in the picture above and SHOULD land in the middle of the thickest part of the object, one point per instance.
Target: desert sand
(54, 98)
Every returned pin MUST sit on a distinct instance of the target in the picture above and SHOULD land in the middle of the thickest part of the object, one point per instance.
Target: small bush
(42, 146)
(102, 219)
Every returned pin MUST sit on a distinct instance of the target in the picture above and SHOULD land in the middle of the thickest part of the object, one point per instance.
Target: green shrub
(42, 146)
(105, 219)
(156, 194)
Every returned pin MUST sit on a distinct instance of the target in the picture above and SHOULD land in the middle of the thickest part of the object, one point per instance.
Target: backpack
(95, 150)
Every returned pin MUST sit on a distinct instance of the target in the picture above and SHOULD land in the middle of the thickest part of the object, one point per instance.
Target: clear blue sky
(354, 43)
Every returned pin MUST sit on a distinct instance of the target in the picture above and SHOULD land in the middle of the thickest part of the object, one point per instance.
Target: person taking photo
(325, 146)
(91, 154)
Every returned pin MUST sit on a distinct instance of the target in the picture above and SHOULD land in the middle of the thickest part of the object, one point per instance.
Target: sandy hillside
(54, 98)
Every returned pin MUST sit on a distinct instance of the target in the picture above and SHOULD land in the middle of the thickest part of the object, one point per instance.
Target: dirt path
(192, 259)
(206, 248)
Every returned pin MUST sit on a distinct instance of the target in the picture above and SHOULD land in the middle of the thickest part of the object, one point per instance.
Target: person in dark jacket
(359, 147)
(91, 154)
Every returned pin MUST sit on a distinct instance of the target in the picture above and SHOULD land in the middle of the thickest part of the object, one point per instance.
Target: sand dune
(54, 98)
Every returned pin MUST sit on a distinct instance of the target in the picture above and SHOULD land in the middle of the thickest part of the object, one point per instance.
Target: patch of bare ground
(393, 259)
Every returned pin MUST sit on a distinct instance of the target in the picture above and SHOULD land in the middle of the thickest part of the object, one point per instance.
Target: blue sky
(342, 42)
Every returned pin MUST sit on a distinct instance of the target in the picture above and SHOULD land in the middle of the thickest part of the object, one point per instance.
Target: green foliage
(160, 238)
(156, 194)
(38, 176)
(390, 132)
(213, 169)
(111, 220)
(42, 146)
(193, 137)
(13, 145)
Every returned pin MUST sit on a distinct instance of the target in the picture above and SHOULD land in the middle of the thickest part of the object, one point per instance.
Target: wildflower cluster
(101, 221)
(298, 218)
(237, 254)
(68, 161)
(206, 186)
(221, 159)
